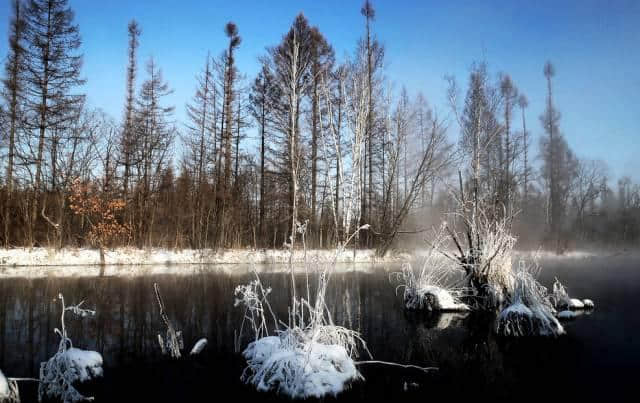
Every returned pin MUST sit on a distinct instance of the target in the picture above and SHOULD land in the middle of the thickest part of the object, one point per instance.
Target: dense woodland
(312, 142)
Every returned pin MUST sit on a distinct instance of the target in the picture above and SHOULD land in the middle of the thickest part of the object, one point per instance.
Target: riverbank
(156, 256)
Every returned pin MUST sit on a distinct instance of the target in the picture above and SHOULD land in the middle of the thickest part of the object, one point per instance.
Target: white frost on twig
(69, 365)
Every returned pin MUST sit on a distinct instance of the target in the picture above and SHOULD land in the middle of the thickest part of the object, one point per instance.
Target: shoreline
(29, 257)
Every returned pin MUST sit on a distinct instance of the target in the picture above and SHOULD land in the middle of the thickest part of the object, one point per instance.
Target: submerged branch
(395, 364)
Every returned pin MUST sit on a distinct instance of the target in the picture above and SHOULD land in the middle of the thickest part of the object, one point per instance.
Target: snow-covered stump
(69, 366)
(298, 370)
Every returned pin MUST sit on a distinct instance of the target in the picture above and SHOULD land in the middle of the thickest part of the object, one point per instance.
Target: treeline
(312, 146)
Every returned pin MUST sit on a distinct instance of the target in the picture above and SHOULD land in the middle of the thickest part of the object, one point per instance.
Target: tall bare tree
(128, 135)
(53, 77)
(13, 93)
(224, 181)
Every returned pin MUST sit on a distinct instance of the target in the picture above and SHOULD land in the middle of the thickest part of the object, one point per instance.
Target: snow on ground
(306, 370)
(133, 256)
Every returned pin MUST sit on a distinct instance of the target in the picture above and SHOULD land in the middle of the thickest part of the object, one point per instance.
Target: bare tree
(588, 182)
(523, 103)
(509, 94)
(224, 180)
(53, 75)
(13, 93)
(128, 137)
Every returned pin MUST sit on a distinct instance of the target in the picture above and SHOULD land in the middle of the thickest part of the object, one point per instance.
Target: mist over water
(597, 359)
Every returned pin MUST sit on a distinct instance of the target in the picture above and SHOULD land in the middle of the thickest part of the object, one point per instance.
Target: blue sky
(594, 45)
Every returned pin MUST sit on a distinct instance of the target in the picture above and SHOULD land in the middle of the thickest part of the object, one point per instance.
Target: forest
(313, 141)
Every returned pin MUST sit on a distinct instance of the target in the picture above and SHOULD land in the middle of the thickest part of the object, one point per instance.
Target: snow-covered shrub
(561, 300)
(293, 364)
(427, 291)
(530, 312)
(4, 387)
(69, 366)
(311, 357)
(253, 296)
(428, 288)
(8, 390)
(481, 244)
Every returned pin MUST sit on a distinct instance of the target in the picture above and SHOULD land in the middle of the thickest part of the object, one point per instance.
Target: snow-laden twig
(69, 365)
(173, 342)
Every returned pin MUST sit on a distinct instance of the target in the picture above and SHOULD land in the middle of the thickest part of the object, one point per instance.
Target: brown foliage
(100, 211)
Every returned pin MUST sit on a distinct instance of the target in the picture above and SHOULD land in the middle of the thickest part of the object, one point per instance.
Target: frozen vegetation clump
(563, 302)
(8, 390)
(69, 366)
(428, 289)
(293, 364)
(530, 312)
(309, 357)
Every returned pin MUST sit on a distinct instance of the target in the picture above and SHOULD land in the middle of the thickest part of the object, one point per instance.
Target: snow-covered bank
(132, 256)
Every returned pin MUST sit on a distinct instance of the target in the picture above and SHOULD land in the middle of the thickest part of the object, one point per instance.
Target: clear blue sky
(594, 45)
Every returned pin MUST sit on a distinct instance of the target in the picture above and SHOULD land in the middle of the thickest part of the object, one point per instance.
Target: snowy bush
(427, 290)
(530, 312)
(8, 390)
(298, 367)
(310, 357)
(69, 366)
(561, 300)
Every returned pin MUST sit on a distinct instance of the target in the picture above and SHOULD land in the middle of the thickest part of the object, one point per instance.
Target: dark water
(598, 360)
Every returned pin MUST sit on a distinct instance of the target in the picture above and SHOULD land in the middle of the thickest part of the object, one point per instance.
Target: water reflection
(471, 359)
